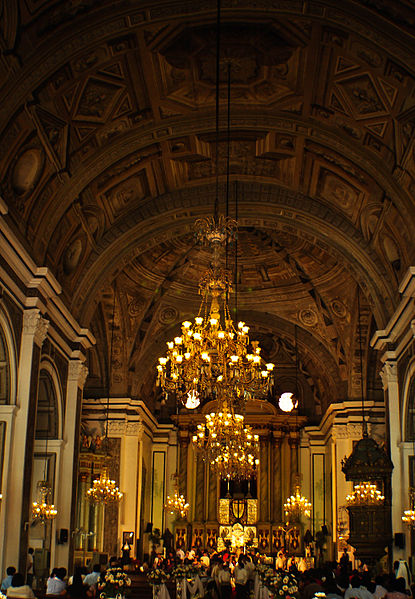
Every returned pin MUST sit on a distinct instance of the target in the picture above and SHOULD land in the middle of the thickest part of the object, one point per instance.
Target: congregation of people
(82, 585)
(228, 576)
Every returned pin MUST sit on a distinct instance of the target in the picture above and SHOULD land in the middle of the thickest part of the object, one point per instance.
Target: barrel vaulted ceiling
(107, 157)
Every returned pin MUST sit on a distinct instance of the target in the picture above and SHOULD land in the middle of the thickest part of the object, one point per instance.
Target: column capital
(77, 372)
(389, 373)
(35, 325)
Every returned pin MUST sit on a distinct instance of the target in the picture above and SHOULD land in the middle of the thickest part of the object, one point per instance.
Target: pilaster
(23, 434)
(66, 500)
(389, 375)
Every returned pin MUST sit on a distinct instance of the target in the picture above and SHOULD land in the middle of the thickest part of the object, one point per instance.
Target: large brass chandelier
(213, 357)
(228, 444)
(104, 490)
(43, 511)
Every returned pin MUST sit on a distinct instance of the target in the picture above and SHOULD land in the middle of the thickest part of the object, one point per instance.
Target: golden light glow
(104, 490)
(228, 444)
(409, 515)
(212, 357)
(176, 505)
(365, 493)
(296, 505)
(287, 402)
(42, 511)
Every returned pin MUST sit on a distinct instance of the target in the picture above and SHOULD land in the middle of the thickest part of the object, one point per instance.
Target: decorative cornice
(125, 428)
(348, 431)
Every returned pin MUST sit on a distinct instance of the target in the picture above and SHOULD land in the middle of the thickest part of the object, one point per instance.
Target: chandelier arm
(110, 368)
(364, 424)
(218, 40)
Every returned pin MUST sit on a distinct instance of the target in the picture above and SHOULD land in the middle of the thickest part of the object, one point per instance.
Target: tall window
(47, 413)
(410, 416)
(4, 370)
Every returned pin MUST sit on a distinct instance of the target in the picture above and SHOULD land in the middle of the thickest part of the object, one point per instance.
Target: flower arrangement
(115, 583)
(157, 576)
(2, 596)
(282, 585)
(179, 572)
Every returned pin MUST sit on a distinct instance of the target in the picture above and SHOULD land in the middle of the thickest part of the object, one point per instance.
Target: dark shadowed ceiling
(107, 157)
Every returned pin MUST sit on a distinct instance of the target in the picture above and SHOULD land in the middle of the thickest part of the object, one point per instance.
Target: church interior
(163, 161)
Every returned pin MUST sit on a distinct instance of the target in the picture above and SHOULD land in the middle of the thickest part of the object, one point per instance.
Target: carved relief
(35, 325)
(72, 256)
(97, 99)
(363, 96)
(27, 171)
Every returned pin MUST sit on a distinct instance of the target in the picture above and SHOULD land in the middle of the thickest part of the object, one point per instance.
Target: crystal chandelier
(212, 357)
(42, 511)
(365, 493)
(104, 490)
(409, 515)
(296, 505)
(228, 444)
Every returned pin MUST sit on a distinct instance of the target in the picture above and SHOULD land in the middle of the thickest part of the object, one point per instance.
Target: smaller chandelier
(42, 511)
(176, 505)
(228, 444)
(365, 493)
(296, 506)
(104, 490)
(409, 515)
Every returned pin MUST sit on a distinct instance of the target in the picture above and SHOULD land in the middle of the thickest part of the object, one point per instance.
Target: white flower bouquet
(116, 583)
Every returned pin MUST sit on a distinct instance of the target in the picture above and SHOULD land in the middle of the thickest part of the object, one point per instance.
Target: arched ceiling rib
(107, 156)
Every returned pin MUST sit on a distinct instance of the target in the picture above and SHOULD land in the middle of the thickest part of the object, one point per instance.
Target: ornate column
(199, 511)
(212, 498)
(389, 374)
(129, 475)
(18, 499)
(183, 456)
(294, 442)
(66, 500)
(276, 478)
(263, 486)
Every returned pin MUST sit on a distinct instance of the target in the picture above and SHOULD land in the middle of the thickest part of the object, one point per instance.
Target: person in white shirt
(205, 560)
(55, 584)
(18, 588)
(241, 578)
(224, 579)
(92, 578)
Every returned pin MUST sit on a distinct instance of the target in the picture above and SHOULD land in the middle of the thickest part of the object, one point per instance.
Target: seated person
(8, 580)
(18, 588)
(79, 590)
(92, 578)
(56, 584)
